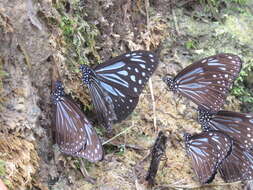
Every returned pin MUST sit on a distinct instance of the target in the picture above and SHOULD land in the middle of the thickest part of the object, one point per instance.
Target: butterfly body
(207, 81)
(74, 133)
(115, 85)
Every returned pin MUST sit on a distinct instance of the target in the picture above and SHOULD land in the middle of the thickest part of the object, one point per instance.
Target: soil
(32, 38)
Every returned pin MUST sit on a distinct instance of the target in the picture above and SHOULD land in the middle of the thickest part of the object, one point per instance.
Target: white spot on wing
(133, 78)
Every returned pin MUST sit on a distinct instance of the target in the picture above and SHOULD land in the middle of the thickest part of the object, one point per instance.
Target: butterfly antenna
(55, 73)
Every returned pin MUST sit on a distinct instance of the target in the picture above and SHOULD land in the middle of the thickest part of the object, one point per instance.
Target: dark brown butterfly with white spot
(115, 85)
(74, 133)
(207, 151)
(208, 81)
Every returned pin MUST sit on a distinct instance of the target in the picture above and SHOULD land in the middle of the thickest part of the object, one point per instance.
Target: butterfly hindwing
(103, 105)
(207, 81)
(207, 150)
(238, 166)
(93, 151)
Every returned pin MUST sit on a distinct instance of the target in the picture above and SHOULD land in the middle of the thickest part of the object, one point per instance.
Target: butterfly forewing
(70, 135)
(207, 82)
(238, 166)
(238, 126)
(127, 74)
(207, 150)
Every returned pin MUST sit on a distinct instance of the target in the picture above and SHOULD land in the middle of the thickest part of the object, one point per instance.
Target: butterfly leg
(85, 173)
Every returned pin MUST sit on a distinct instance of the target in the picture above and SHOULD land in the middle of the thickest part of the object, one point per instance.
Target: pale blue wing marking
(143, 66)
(137, 56)
(193, 72)
(137, 60)
(89, 133)
(114, 78)
(108, 88)
(119, 92)
(124, 73)
(111, 90)
(116, 65)
(214, 62)
(68, 118)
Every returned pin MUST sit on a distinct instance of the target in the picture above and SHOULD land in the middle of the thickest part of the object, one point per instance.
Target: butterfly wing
(238, 126)
(207, 82)
(207, 150)
(70, 135)
(103, 104)
(93, 150)
(126, 75)
(238, 166)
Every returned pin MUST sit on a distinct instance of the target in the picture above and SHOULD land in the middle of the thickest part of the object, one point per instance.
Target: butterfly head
(187, 137)
(87, 73)
(170, 83)
(204, 118)
(58, 92)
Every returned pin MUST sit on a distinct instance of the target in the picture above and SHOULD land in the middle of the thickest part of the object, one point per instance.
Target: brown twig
(193, 186)
(157, 152)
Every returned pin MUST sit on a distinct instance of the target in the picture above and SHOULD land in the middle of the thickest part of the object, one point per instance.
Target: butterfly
(207, 151)
(74, 133)
(238, 166)
(207, 81)
(115, 85)
(238, 126)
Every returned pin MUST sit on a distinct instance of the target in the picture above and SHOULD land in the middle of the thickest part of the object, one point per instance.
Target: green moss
(2, 168)
(240, 89)
(78, 36)
(191, 44)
